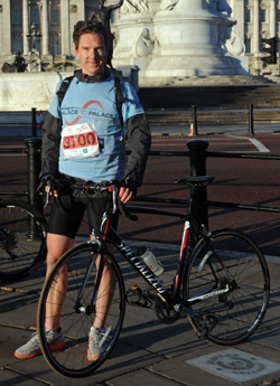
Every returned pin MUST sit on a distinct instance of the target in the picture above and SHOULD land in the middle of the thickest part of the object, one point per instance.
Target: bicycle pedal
(136, 296)
(135, 289)
(133, 292)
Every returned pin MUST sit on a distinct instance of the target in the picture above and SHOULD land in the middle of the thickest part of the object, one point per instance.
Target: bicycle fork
(79, 307)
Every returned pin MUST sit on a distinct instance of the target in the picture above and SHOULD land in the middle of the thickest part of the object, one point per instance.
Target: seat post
(198, 168)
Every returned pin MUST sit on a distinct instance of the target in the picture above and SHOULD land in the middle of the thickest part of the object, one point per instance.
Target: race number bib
(80, 141)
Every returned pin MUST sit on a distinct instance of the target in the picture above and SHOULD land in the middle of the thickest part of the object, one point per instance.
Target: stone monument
(103, 15)
(178, 39)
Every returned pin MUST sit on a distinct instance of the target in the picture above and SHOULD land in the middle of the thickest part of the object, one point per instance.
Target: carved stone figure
(144, 45)
(8, 68)
(18, 65)
(220, 6)
(103, 14)
(134, 6)
(235, 45)
(212, 4)
(224, 7)
(169, 5)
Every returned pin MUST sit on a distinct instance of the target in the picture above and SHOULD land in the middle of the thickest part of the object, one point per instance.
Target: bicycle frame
(172, 301)
(147, 274)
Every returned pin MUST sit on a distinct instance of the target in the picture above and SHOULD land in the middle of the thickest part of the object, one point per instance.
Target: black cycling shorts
(68, 211)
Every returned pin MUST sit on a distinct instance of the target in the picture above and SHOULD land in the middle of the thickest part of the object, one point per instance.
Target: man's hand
(125, 194)
(49, 182)
(52, 192)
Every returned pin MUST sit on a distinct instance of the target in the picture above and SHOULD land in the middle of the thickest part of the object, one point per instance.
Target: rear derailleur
(204, 324)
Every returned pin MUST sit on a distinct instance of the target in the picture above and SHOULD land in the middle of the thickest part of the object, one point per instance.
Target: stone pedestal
(178, 39)
(22, 91)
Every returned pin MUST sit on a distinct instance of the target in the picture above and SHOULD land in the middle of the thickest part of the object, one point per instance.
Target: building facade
(44, 25)
(257, 20)
(47, 26)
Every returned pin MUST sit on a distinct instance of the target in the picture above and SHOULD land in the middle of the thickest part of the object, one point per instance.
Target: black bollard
(34, 166)
(198, 168)
(250, 120)
(34, 123)
(198, 156)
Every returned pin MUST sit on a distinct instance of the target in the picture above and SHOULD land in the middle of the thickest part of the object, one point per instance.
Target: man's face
(92, 53)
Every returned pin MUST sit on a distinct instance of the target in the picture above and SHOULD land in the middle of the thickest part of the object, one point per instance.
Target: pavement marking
(235, 364)
(259, 145)
(261, 148)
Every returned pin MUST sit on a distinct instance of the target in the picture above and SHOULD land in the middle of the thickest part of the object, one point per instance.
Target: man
(89, 106)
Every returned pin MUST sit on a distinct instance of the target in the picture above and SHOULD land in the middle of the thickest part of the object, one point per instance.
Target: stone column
(45, 29)
(65, 37)
(25, 27)
(272, 18)
(5, 30)
(256, 28)
(239, 15)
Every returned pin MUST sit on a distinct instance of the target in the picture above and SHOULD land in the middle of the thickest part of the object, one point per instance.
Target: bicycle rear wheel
(22, 239)
(229, 263)
(76, 312)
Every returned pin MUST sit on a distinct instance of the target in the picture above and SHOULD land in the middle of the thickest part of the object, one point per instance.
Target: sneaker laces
(100, 335)
(97, 335)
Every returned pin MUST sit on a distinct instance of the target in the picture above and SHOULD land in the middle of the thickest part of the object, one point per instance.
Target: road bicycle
(22, 239)
(222, 286)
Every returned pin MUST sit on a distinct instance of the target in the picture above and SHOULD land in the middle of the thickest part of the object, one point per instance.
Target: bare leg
(57, 245)
(105, 294)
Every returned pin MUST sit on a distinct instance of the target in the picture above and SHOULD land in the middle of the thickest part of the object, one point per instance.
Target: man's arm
(51, 130)
(138, 140)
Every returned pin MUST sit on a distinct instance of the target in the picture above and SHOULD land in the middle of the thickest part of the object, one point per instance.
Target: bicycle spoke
(76, 321)
(22, 239)
(237, 268)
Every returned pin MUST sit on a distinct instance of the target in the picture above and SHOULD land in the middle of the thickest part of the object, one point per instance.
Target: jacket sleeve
(51, 130)
(138, 141)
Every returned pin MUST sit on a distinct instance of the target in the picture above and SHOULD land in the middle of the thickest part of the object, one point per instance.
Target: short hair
(88, 26)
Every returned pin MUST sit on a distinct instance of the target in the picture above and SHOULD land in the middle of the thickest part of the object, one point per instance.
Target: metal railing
(33, 151)
(250, 119)
(197, 119)
(198, 158)
(197, 154)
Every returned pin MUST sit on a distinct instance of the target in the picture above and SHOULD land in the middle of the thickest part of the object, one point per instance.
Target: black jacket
(137, 136)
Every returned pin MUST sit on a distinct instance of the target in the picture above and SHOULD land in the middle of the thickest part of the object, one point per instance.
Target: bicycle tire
(23, 232)
(235, 315)
(75, 324)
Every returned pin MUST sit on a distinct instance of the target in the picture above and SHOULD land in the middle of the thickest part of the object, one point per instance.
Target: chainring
(164, 313)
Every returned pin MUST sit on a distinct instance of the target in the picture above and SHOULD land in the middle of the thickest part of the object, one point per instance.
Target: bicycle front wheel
(227, 285)
(70, 291)
(22, 239)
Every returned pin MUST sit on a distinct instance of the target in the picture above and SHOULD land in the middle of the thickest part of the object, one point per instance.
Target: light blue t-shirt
(96, 103)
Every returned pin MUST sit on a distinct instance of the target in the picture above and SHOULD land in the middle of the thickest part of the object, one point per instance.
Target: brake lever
(114, 197)
(48, 191)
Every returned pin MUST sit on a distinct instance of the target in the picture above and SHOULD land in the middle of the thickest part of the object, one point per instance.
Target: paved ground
(148, 352)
